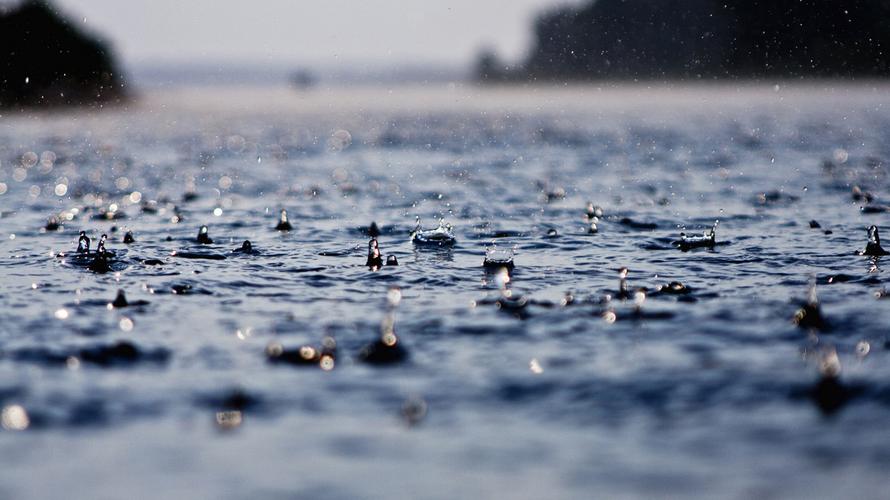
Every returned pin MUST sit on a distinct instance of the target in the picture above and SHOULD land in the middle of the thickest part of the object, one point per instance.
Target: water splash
(707, 239)
(442, 235)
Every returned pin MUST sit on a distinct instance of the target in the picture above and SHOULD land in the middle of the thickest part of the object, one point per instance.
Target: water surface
(709, 394)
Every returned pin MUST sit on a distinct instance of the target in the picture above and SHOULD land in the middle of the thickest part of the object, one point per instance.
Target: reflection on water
(556, 339)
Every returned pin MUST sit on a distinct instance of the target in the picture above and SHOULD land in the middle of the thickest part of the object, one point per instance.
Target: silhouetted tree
(45, 60)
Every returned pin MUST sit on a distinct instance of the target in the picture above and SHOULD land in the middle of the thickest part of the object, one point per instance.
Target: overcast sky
(385, 32)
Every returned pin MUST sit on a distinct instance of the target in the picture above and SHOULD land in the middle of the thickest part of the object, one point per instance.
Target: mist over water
(527, 385)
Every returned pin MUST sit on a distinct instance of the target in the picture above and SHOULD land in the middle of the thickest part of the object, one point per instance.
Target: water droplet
(830, 365)
(862, 348)
(394, 296)
(72, 363)
(228, 420)
(841, 155)
(274, 349)
(340, 140)
(502, 278)
(14, 418)
(126, 324)
(29, 159)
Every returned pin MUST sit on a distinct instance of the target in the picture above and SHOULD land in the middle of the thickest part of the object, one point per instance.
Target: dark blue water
(546, 383)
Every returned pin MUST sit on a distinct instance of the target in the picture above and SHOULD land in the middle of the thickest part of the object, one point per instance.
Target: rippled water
(712, 393)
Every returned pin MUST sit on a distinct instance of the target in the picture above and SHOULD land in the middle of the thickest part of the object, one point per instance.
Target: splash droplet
(14, 418)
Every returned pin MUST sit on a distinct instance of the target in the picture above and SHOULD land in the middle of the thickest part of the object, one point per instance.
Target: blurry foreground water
(529, 386)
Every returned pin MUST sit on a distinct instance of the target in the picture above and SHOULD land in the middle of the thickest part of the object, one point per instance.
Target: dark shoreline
(688, 39)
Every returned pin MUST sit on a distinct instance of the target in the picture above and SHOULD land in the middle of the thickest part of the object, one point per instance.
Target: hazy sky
(388, 32)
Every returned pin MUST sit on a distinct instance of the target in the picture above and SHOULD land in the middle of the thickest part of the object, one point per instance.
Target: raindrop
(29, 159)
(126, 324)
(340, 140)
(862, 348)
(228, 420)
(394, 296)
(841, 155)
(14, 418)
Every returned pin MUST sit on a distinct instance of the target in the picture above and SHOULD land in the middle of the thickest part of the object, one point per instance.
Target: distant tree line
(704, 39)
